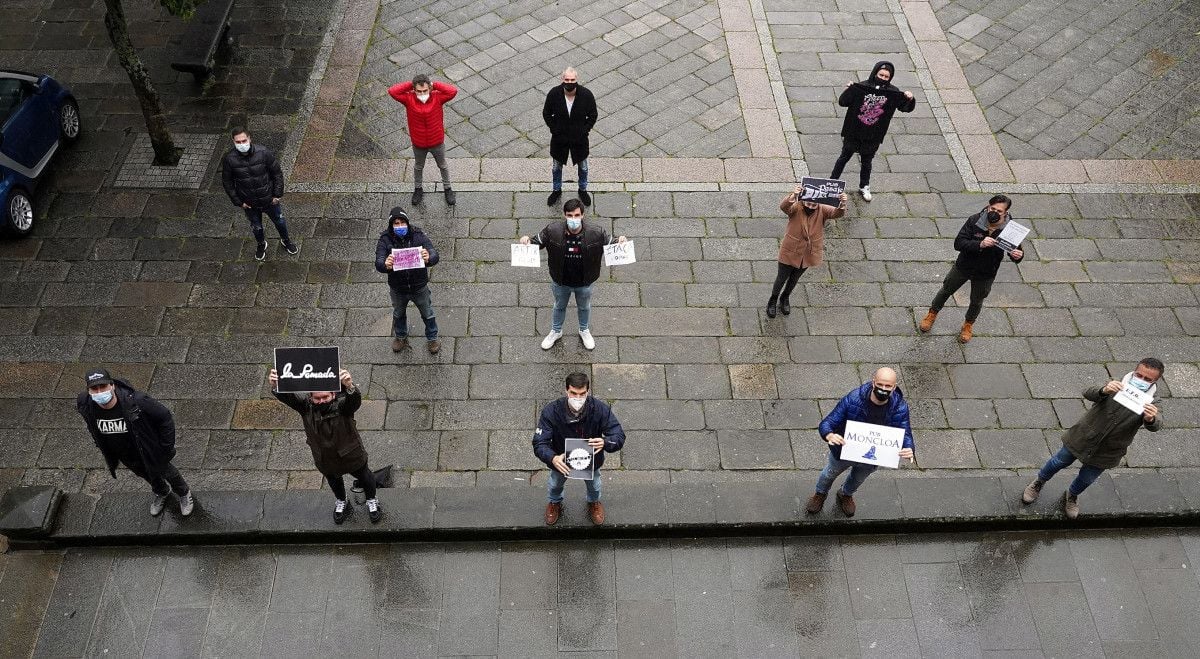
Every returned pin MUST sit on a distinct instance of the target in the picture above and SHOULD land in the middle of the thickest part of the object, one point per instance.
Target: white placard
(872, 444)
(407, 258)
(1011, 236)
(526, 256)
(1133, 398)
(619, 253)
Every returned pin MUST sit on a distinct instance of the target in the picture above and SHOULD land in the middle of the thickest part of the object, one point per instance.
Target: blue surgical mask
(1140, 384)
(103, 398)
(400, 231)
(242, 148)
(574, 223)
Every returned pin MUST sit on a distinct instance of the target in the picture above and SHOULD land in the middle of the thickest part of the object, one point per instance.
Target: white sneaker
(865, 191)
(551, 339)
(588, 341)
(186, 504)
(156, 506)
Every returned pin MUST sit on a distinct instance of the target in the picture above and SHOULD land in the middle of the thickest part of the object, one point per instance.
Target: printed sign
(826, 191)
(619, 253)
(1011, 236)
(305, 370)
(526, 256)
(579, 459)
(872, 444)
(408, 258)
(1134, 399)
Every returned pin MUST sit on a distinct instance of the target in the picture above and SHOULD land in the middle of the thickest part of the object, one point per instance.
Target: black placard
(305, 370)
(580, 459)
(826, 191)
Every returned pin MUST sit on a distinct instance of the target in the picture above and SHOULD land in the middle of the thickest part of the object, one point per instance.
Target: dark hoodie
(151, 428)
(871, 104)
(404, 281)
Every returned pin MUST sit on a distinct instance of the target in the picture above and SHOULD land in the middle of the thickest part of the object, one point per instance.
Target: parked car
(37, 116)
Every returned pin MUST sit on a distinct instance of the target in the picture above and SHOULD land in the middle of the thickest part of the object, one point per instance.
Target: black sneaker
(418, 195)
(260, 254)
(289, 246)
(450, 197)
(585, 197)
(554, 197)
(341, 510)
(374, 511)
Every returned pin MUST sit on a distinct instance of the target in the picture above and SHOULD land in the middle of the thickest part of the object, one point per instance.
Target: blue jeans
(1064, 458)
(275, 212)
(556, 173)
(583, 304)
(424, 304)
(554, 487)
(834, 468)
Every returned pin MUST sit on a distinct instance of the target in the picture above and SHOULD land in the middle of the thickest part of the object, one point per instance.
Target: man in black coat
(254, 181)
(871, 104)
(569, 113)
(409, 285)
(131, 428)
(979, 259)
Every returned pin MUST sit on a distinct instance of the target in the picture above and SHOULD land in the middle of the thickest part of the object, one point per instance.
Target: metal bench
(209, 29)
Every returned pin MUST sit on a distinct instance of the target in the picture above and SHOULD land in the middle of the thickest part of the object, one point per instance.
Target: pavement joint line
(291, 148)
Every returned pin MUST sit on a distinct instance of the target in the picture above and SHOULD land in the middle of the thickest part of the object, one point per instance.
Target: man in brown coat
(1100, 439)
(803, 245)
(332, 436)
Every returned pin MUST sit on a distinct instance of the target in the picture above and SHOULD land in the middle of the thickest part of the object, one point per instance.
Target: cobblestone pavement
(1060, 594)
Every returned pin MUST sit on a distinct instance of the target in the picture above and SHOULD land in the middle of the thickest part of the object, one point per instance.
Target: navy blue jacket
(853, 407)
(556, 425)
(404, 281)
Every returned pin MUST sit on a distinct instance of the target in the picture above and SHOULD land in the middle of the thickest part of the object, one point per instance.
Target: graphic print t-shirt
(573, 272)
(114, 430)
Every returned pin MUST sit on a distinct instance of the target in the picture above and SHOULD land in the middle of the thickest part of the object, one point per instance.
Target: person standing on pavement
(575, 251)
(979, 259)
(802, 247)
(1102, 437)
(423, 101)
(576, 415)
(569, 113)
(410, 285)
(879, 402)
(254, 181)
(332, 435)
(131, 428)
(870, 105)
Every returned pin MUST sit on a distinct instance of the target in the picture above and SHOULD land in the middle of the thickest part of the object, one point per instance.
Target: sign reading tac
(872, 444)
(305, 370)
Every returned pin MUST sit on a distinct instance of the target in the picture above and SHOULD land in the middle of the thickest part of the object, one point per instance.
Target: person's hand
(850, 83)
(845, 200)
(597, 444)
(620, 239)
(275, 201)
(1016, 253)
(907, 454)
(834, 439)
(273, 378)
(798, 191)
(524, 240)
(425, 255)
(1149, 412)
(347, 381)
(1111, 388)
(987, 242)
(389, 262)
(561, 465)
(245, 205)
(908, 95)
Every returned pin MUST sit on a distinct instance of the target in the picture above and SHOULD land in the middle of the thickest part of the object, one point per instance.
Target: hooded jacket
(871, 105)
(569, 130)
(553, 239)
(853, 407)
(253, 177)
(330, 431)
(976, 262)
(151, 427)
(404, 281)
(1102, 437)
(426, 123)
(556, 424)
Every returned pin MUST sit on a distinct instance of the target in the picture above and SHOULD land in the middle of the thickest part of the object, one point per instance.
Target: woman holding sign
(803, 244)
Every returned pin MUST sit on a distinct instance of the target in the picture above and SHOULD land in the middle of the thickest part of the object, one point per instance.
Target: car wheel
(68, 120)
(18, 214)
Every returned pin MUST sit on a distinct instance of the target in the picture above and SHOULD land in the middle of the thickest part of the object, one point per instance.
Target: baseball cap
(97, 376)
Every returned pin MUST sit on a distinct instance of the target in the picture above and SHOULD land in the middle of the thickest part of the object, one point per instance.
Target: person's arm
(1014, 258)
(835, 212)
(1157, 423)
(276, 176)
(433, 253)
(965, 240)
(159, 417)
(1096, 394)
(227, 182)
(543, 238)
(446, 88)
(592, 112)
(835, 421)
(907, 104)
(614, 435)
(548, 110)
(543, 438)
(353, 400)
(383, 249)
(291, 400)
(788, 201)
(398, 90)
(847, 95)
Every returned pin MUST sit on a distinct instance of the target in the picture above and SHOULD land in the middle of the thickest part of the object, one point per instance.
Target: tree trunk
(165, 152)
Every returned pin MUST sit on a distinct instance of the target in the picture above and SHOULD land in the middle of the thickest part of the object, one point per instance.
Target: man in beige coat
(803, 245)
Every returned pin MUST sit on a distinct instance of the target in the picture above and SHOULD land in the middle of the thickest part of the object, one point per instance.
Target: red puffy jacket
(424, 119)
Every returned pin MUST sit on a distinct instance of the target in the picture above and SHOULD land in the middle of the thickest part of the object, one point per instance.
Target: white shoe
(156, 506)
(865, 191)
(186, 504)
(551, 339)
(586, 337)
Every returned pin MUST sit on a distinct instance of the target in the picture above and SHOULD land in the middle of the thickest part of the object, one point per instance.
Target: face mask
(882, 395)
(570, 86)
(993, 217)
(242, 148)
(422, 97)
(103, 398)
(574, 223)
(1140, 384)
(400, 231)
(576, 403)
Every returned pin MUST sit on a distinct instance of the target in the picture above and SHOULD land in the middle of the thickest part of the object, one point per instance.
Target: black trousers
(865, 151)
(785, 280)
(364, 476)
(163, 484)
(954, 281)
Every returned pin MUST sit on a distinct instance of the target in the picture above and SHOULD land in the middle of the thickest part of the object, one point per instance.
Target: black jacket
(871, 106)
(151, 427)
(404, 281)
(569, 132)
(253, 178)
(553, 240)
(556, 424)
(330, 431)
(974, 261)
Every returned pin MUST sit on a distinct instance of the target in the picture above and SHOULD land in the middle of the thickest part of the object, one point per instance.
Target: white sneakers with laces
(865, 191)
(586, 337)
(551, 339)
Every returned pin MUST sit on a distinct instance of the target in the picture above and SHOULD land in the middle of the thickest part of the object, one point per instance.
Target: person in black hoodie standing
(131, 428)
(569, 113)
(979, 258)
(408, 285)
(871, 104)
(254, 181)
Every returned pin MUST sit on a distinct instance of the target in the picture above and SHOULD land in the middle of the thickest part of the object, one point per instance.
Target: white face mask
(576, 403)
(423, 97)
(242, 148)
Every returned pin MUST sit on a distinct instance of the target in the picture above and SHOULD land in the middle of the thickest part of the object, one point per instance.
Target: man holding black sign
(577, 415)
(871, 104)
(408, 284)
(803, 244)
(980, 253)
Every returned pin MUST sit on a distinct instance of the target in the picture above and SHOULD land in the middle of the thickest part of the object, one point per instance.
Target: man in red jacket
(423, 101)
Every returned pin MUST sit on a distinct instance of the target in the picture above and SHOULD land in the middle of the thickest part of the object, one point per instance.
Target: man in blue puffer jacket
(879, 402)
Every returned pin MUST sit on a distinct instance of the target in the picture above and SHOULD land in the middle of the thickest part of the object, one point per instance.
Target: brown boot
(434, 346)
(815, 503)
(596, 512)
(553, 511)
(846, 503)
(926, 323)
(399, 344)
(965, 334)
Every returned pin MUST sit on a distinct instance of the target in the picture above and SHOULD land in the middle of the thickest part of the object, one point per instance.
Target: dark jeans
(866, 152)
(954, 281)
(275, 212)
(170, 479)
(1064, 457)
(364, 475)
(785, 280)
(424, 302)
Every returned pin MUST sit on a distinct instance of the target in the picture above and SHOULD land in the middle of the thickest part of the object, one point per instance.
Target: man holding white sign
(1102, 437)
(880, 404)
(408, 278)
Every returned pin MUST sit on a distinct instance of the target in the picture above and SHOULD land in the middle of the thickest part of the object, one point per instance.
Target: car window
(11, 95)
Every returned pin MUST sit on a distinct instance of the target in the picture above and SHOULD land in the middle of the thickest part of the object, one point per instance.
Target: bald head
(884, 375)
(883, 383)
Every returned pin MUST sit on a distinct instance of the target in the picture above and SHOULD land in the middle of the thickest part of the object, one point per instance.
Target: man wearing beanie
(871, 104)
(410, 285)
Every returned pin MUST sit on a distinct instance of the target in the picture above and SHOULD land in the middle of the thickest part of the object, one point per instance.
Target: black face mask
(570, 86)
(882, 395)
(993, 217)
